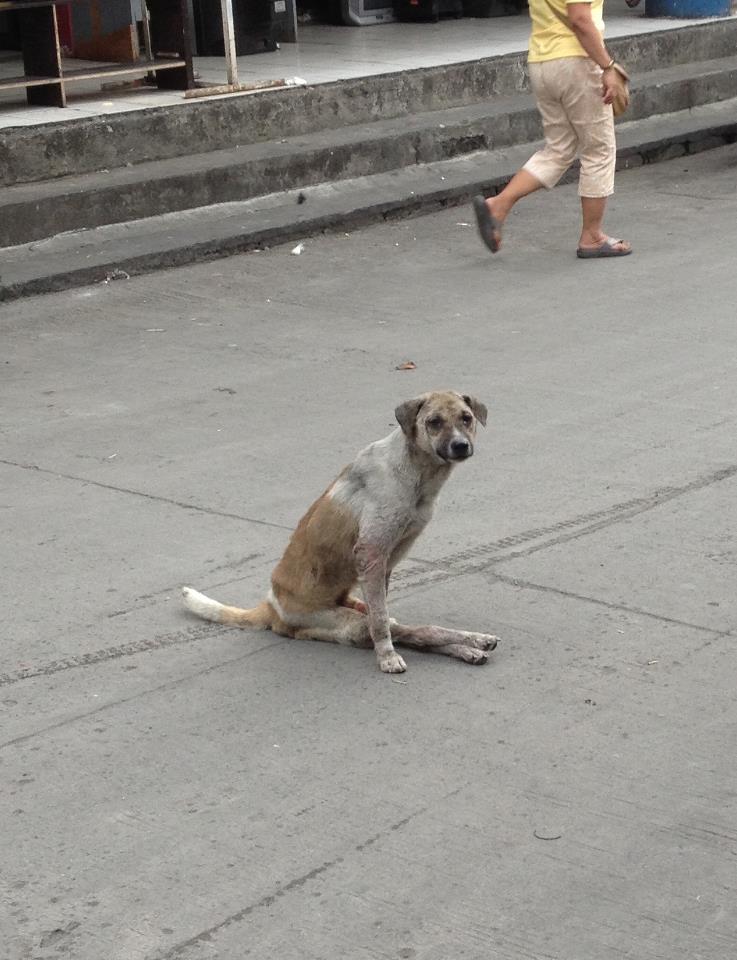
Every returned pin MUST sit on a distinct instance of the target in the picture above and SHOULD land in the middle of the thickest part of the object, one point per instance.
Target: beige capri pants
(576, 122)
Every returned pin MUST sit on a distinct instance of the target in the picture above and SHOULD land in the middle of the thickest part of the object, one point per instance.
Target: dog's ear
(406, 414)
(478, 408)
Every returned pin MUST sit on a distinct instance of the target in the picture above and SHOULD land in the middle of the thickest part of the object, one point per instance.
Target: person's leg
(522, 184)
(592, 227)
(594, 124)
(547, 166)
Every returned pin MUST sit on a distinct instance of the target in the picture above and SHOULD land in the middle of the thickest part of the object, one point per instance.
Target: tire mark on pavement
(205, 936)
(197, 508)
(481, 557)
(189, 635)
(453, 566)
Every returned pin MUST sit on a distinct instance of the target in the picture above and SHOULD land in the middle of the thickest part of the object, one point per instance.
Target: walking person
(575, 81)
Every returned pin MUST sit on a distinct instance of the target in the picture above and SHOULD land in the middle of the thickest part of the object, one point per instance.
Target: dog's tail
(260, 617)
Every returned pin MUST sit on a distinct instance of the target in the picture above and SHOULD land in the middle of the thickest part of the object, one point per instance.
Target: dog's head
(442, 424)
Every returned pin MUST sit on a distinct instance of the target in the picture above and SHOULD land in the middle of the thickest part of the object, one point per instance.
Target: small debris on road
(116, 275)
(546, 836)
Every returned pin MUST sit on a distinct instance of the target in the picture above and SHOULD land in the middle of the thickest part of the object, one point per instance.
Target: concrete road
(173, 790)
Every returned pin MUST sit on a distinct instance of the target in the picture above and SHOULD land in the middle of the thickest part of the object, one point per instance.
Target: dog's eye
(434, 423)
(467, 419)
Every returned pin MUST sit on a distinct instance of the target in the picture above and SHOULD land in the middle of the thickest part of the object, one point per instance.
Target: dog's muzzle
(459, 449)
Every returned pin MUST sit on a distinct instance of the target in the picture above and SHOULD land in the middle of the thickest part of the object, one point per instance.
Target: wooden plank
(91, 73)
(44, 79)
(170, 34)
(226, 88)
(14, 83)
(120, 69)
(290, 33)
(42, 55)
(13, 5)
(231, 63)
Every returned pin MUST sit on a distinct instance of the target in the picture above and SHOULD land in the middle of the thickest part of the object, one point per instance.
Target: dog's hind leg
(462, 644)
(340, 625)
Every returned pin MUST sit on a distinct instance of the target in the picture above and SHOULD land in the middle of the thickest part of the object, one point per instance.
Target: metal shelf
(46, 80)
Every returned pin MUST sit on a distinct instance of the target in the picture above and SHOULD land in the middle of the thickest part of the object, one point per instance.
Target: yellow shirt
(551, 39)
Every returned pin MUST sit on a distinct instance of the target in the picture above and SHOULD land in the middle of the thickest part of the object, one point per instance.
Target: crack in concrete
(146, 600)
(206, 936)
(168, 685)
(210, 511)
(609, 604)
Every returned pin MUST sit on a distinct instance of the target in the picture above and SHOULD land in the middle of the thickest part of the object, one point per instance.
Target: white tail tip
(201, 605)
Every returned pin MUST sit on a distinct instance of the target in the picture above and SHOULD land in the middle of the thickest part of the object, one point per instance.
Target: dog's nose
(460, 449)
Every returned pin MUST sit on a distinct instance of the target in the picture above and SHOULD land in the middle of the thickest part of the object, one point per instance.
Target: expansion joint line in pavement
(210, 511)
(609, 604)
(167, 685)
(179, 950)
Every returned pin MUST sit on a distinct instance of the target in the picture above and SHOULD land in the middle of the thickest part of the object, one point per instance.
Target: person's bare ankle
(497, 209)
(591, 238)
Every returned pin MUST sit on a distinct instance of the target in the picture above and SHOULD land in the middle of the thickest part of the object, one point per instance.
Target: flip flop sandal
(489, 227)
(607, 249)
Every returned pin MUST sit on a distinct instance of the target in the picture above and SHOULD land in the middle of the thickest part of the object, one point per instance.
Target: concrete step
(118, 251)
(77, 146)
(34, 211)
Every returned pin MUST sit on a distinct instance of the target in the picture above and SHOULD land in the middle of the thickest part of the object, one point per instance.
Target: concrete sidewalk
(323, 54)
(84, 201)
(172, 789)
(130, 193)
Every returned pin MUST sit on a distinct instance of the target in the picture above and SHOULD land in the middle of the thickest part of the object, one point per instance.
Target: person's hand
(613, 85)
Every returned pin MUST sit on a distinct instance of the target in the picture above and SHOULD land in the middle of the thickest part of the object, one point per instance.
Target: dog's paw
(482, 641)
(392, 663)
(472, 655)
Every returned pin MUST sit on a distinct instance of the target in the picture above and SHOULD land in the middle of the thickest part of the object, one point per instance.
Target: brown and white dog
(358, 531)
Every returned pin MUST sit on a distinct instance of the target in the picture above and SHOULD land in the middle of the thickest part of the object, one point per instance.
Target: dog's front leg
(372, 574)
(471, 647)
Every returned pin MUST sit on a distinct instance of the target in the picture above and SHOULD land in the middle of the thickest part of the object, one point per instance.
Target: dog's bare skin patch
(357, 532)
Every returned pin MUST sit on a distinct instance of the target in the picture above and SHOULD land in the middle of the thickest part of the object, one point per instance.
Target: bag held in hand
(622, 100)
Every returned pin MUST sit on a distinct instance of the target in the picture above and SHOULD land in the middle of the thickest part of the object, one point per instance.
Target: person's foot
(490, 225)
(606, 247)
(592, 241)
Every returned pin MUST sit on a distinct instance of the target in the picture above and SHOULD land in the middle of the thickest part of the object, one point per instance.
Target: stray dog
(358, 531)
